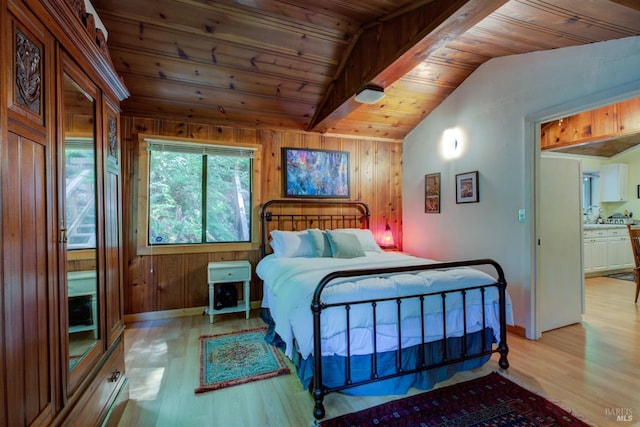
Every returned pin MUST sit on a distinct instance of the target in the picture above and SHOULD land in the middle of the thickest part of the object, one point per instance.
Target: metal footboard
(320, 389)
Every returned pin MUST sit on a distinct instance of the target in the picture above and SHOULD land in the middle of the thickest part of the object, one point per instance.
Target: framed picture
(467, 187)
(315, 173)
(432, 193)
(638, 191)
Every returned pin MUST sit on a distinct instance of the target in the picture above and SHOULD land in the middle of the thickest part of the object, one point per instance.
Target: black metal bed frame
(320, 390)
(362, 211)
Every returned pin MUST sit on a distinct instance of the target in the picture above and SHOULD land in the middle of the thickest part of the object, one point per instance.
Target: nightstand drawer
(231, 271)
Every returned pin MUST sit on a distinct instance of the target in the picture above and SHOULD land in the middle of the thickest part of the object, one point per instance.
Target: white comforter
(289, 284)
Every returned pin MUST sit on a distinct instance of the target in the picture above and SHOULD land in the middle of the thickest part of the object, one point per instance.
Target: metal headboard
(292, 215)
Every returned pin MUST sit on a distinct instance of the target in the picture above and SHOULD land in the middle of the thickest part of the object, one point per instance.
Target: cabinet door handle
(114, 376)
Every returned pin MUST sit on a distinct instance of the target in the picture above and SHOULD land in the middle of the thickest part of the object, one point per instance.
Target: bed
(362, 321)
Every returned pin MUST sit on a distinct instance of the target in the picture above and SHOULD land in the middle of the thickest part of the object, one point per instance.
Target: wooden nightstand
(226, 272)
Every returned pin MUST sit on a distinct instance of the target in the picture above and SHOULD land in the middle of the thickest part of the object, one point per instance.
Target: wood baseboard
(517, 330)
(169, 314)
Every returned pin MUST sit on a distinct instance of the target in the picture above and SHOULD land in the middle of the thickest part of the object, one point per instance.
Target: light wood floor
(592, 367)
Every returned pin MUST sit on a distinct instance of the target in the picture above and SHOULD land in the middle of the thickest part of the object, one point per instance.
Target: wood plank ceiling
(297, 65)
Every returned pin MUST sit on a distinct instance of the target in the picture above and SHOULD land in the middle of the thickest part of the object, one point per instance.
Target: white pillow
(365, 236)
(275, 247)
(291, 244)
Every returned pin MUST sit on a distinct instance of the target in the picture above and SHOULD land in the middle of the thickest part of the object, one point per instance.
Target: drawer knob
(114, 376)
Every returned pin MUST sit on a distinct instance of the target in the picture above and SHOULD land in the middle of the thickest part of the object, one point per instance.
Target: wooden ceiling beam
(390, 47)
(633, 4)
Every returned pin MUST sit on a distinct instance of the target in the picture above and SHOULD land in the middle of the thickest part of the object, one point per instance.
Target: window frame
(144, 248)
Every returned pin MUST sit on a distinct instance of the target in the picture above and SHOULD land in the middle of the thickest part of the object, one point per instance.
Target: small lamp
(387, 238)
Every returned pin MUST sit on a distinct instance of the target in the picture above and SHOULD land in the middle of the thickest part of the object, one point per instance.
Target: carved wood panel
(28, 73)
(28, 76)
(112, 137)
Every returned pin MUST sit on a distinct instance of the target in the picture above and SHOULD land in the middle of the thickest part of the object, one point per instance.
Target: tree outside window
(199, 197)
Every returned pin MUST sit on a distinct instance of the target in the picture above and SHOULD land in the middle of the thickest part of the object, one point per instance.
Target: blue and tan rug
(237, 358)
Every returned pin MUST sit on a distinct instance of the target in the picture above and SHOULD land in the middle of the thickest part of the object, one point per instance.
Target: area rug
(492, 400)
(623, 276)
(237, 358)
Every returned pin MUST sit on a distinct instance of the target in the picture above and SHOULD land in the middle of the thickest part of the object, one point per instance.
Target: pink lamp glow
(387, 237)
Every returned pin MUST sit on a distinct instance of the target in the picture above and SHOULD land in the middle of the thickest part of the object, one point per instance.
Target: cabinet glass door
(79, 220)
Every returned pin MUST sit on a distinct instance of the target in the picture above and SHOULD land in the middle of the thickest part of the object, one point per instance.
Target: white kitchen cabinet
(619, 252)
(614, 181)
(615, 251)
(607, 249)
(595, 255)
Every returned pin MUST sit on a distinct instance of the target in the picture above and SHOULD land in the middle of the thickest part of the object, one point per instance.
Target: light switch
(521, 215)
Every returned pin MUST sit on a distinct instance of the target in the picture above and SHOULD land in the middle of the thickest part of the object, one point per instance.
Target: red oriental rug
(237, 358)
(492, 400)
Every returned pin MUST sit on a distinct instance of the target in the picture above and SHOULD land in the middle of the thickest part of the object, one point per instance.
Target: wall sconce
(387, 238)
(370, 94)
(451, 143)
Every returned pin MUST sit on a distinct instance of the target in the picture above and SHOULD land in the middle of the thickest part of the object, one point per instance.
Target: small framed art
(432, 193)
(467, 187)
(315, 173)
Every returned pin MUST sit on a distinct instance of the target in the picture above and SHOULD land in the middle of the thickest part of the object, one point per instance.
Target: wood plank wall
(610, 121)
(169, 282)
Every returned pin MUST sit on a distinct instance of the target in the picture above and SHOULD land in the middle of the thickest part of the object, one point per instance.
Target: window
(589, 187)
(198, 193)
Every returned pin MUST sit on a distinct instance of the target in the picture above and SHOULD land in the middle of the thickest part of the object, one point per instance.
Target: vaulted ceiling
(297, 65)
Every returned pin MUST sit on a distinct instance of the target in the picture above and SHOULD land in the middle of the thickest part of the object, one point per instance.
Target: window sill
(197, 248)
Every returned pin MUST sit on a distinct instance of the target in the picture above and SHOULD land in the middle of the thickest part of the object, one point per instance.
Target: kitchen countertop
(596, 226)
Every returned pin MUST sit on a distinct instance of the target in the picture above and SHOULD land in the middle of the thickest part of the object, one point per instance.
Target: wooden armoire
(61, 330)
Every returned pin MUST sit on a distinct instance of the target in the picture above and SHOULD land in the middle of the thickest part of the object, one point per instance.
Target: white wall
(490, 110)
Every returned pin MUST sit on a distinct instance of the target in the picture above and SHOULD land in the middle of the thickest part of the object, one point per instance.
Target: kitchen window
(589, 187)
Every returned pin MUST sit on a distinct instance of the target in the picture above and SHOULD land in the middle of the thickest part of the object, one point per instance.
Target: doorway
(544, 268)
